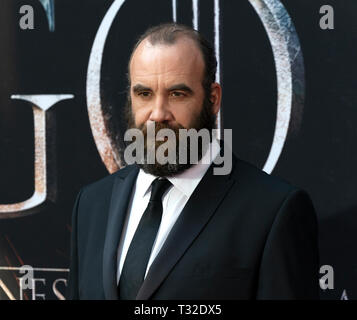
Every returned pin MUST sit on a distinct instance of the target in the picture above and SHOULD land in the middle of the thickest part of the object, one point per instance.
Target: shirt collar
(186, 181)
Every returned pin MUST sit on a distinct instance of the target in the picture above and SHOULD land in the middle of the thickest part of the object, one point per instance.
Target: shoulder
(271, 197)
(264, 188)
(250, 175)
(105, 184)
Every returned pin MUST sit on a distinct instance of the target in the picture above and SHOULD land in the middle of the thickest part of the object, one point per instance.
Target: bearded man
(177, 230)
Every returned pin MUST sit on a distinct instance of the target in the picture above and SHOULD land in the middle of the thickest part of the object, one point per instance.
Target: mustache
(160, 125)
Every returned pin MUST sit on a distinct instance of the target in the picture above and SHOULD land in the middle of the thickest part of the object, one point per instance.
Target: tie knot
(158, 188)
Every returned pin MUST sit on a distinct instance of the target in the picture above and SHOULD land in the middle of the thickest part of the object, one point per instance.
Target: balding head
(168, 34)
(171, 85)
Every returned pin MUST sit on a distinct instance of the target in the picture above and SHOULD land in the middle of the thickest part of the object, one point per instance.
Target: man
(179, 231)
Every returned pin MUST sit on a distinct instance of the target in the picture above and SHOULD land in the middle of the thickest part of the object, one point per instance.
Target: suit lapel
(198, 210)
(120, 197)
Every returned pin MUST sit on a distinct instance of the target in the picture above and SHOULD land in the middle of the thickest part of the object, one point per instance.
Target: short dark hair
(169, 33)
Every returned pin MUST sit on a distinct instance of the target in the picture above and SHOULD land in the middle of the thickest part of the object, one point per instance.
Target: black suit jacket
(246, 235)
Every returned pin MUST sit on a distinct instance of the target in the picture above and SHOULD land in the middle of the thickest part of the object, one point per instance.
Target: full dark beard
(205, 120)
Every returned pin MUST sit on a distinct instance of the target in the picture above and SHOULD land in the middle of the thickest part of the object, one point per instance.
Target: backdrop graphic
(288, 94)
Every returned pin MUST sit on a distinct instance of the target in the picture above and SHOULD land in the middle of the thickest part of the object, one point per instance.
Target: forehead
(180, 61)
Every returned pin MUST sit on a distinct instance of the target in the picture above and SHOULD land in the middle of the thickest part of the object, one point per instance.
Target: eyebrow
(181, 87)
(139, 87)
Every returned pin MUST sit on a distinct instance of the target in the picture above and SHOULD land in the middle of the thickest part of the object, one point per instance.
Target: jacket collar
(121, 192)
(199, 209)
(202, 204)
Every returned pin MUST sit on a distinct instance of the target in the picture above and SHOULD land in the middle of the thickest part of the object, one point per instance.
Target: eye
(144, 94)
(177, 94)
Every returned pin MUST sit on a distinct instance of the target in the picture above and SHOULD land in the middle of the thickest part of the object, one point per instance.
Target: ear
(216, 97)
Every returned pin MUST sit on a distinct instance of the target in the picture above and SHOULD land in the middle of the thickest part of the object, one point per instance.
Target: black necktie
(137, 258)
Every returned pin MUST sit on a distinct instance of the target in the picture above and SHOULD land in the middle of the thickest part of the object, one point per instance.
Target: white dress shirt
(173, 201)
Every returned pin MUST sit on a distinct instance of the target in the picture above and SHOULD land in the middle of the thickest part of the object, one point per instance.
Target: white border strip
(217, 50)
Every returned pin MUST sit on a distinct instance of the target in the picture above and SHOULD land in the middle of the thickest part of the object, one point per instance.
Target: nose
(160, 111)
